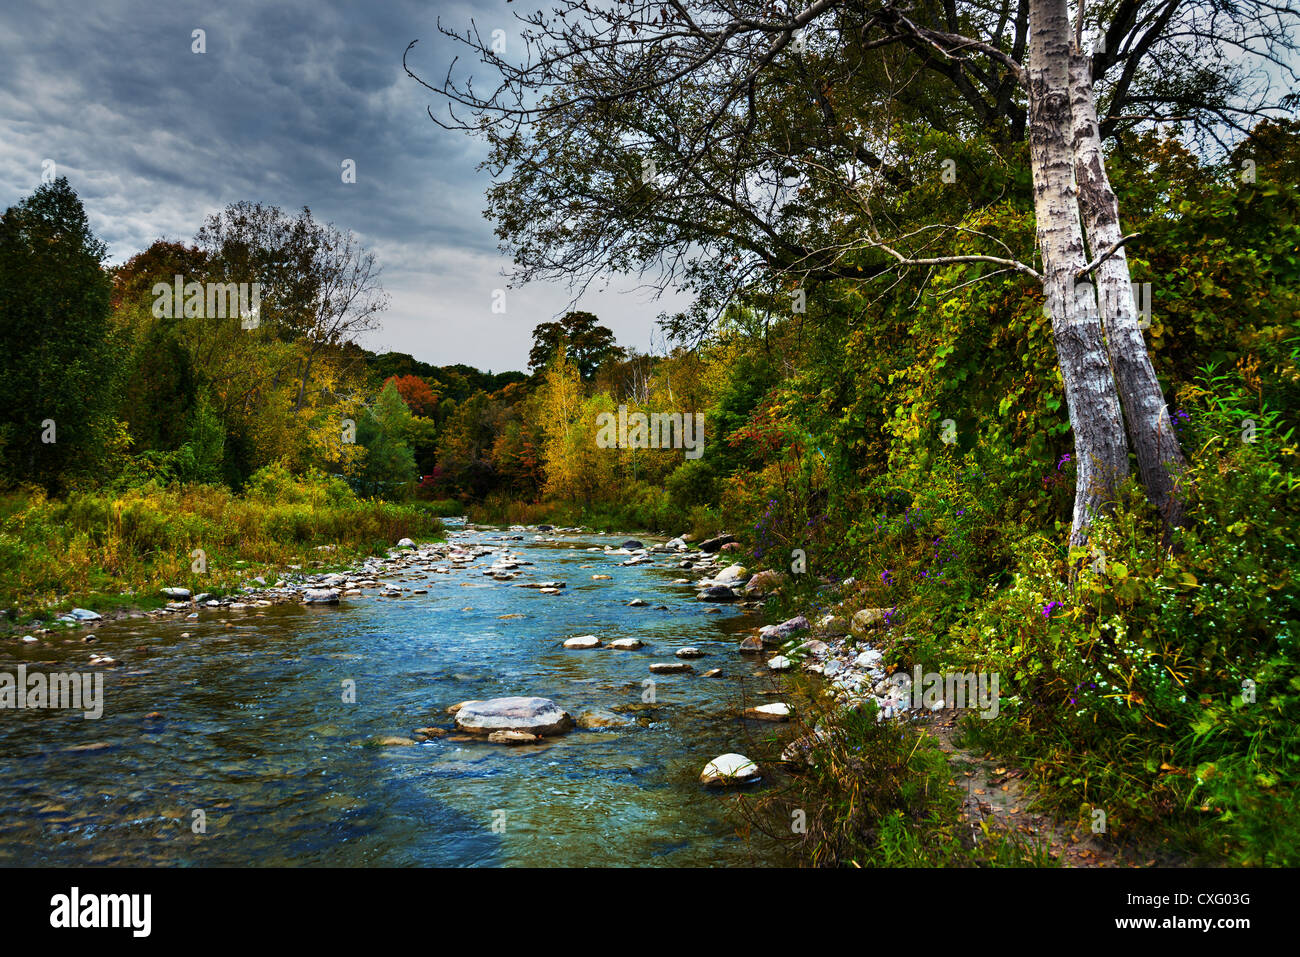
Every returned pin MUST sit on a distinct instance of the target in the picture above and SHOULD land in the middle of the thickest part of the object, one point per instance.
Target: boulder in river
(717, 593)
(627, 644)
(670, 667)
(729, 769)
(321, 596)
(599, 718)
(540, 716)
(513, 737)
(632, 545)
(582, 641)
(752, 645)
(689, 653)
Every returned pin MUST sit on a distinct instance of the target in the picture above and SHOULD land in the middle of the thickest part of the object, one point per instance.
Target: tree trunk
(1160, 460)
(1101, 452)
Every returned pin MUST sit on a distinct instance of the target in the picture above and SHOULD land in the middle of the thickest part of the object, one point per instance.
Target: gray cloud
(155, 137)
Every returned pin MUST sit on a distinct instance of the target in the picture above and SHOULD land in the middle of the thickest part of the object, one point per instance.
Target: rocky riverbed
(318, 718)
(833, 648)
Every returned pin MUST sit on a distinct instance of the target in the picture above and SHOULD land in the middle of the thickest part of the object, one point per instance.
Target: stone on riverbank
(780, 663)
(177, 594)
(764, 582)
(869, 619)
(732, 573)
(729, 769)
(711, 545)
(717, 593)
(752, 645)
(539, 716)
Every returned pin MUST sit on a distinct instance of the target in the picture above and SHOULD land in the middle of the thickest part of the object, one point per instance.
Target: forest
(905, 398)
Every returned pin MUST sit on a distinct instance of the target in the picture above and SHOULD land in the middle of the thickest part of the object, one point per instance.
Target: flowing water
(255, 732)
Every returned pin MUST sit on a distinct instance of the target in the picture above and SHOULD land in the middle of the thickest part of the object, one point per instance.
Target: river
(255, 734)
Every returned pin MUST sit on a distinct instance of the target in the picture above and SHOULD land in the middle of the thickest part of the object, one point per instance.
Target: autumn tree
(415, 392)
(726, 147)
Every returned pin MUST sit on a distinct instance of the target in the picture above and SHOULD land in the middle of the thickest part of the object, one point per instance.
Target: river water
(255, 732)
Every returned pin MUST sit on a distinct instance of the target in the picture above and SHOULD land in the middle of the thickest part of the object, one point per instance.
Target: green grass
(109, 550)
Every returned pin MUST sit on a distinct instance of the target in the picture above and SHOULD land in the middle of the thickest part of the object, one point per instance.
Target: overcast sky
(154, 137)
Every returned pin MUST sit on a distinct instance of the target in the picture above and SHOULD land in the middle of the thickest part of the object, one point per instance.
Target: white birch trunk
(1160, 460)
(1101, 452)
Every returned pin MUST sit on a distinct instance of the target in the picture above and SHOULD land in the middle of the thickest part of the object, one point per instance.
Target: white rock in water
(670, 667)
(627, 644)
(85, 614)
(689, 653)
(176, 593)
(533, 715)
(780, 663)
(778, 711)
(321, 596)
(727, 769)
(582, 641)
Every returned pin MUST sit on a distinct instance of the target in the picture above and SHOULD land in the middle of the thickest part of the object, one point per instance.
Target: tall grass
(106, 546)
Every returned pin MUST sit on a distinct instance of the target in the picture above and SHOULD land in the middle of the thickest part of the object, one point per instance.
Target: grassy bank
(107, 550)
(1157, 685)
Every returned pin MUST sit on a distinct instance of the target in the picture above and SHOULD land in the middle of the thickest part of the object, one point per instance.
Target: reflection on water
(254, 731)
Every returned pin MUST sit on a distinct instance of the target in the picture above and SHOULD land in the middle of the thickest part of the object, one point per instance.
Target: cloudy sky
(154, 137)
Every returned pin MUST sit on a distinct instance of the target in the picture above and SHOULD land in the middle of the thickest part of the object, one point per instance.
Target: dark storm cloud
(155, 137)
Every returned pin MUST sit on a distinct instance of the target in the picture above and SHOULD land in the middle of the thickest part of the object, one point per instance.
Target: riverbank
(113, 552)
